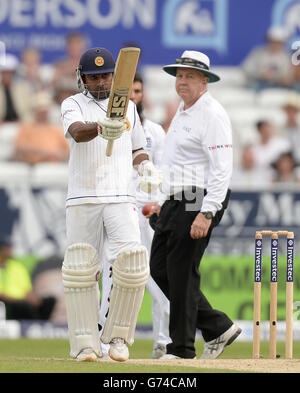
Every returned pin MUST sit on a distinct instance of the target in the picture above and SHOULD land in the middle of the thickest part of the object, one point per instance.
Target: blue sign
(35, 219)
(226, 30)
(251, 211)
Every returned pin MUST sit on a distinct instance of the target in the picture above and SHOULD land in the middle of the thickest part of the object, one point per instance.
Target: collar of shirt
(204, 97)
(92, 99)
(88, 95)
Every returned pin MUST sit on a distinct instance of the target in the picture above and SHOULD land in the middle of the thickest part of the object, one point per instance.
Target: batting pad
(130, 275)
(80, 273)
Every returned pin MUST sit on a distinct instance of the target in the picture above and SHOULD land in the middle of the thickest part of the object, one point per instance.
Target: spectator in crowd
(269, 147)
(14, 93)
(270, 65)
(246, 173)
(32, 70)
(285, 169)
(47, 282)
(170, 110)
(291, 127)
(16, 292)
(40, 141)
(61, 91)
(296, 69)
(65, 68)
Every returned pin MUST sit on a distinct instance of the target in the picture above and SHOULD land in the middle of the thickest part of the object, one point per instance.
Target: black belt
(183, 195)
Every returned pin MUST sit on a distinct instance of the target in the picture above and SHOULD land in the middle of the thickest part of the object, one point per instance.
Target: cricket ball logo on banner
(195, 23)
(286, 13)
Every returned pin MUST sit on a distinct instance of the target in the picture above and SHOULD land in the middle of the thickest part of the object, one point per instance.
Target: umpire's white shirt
(198, 151)
(94, 177)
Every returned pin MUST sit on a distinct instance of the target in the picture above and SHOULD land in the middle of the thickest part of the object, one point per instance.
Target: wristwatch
(208, 215)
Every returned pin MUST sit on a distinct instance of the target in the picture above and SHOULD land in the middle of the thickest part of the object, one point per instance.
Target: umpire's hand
(154, 208)
(200, 227)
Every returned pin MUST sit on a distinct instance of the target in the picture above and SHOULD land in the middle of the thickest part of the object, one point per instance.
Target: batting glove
(110, 129)
(150, 177)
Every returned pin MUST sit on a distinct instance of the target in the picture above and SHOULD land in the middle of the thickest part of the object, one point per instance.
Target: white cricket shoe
(159, 351)
(118, 350)
(214, 348)
(105, 349)
(87, 355)
(168, 356)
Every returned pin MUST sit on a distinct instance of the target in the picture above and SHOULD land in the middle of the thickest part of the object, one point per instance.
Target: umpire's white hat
(193, 59)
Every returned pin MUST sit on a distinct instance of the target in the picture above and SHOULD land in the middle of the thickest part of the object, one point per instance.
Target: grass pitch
(52, 356)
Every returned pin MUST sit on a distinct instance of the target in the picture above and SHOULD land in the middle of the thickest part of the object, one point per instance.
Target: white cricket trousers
(114, 225)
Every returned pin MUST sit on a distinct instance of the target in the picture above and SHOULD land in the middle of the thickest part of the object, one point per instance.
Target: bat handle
(109, 148)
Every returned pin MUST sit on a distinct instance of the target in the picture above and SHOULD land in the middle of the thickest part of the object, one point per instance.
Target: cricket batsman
(100, 209)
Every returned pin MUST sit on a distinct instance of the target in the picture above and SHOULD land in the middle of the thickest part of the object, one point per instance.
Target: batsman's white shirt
(94, 177)
(198, 151)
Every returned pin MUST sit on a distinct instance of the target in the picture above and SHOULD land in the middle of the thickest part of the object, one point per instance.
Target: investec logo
(290, 261)
(274, 260)
(258, 255)
(195, 23)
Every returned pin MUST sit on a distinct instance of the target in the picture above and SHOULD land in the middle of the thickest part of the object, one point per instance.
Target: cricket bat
(121, 86)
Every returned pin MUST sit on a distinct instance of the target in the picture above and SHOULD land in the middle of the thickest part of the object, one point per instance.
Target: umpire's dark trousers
(174, 265)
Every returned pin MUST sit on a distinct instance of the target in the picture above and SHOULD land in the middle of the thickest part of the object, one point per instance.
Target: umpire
(197, 168)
